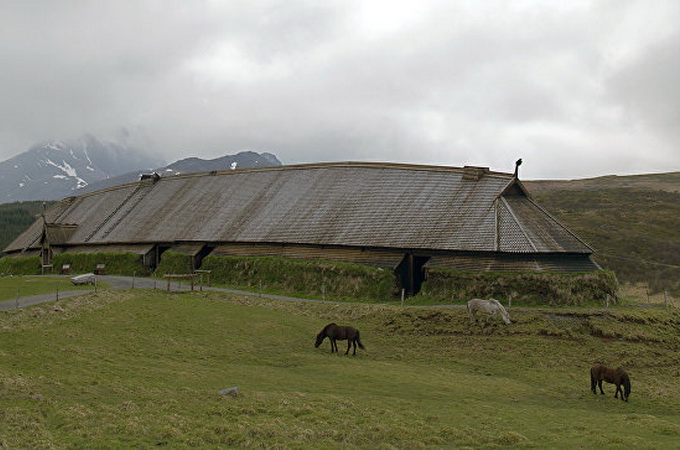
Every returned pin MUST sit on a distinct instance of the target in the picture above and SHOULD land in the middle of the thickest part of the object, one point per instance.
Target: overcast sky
(575, 88)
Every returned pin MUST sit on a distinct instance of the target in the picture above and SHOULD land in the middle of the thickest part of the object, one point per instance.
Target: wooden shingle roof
(347, 204)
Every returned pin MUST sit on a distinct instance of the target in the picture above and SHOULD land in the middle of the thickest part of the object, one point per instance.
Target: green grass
(13, 287)
(127, 264)
(635, 232)
(310, 278)
(143, 369)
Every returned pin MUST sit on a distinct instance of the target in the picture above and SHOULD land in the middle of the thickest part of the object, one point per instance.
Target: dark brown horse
(337, 333)
(619, 377)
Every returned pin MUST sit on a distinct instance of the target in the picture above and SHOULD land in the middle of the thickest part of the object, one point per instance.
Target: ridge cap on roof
(339, 164)
(301, 166)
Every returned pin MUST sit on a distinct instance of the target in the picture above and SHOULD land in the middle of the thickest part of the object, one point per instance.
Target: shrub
(29, 265)
(316, 278)
(528, 287)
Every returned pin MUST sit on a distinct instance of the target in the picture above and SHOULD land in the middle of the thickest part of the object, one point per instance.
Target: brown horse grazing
(619, 377)
(337, 333)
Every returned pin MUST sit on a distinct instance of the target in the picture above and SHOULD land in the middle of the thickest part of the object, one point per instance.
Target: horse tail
(626, 384)
(593, 381)
(361, 346)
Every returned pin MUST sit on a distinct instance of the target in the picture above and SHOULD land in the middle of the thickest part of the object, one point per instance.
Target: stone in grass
(232, 391)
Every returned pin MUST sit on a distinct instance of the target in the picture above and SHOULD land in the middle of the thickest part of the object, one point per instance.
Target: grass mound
(29, 265)
(312, 278)
(526, 288)
(127, 264)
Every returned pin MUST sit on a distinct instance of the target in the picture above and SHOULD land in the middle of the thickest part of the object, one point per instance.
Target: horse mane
(328, 326)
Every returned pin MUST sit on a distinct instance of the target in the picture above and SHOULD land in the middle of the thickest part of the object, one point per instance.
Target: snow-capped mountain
(241, 160)
(56, 169)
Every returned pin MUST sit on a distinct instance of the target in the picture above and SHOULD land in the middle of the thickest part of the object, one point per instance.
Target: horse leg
(354, 343)
(599, 383)
(593, 384)
(334, 345)
(349, 344)
(618, 389)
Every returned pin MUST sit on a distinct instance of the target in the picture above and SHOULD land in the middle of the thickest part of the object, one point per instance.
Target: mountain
(55, 169)
(242, 160)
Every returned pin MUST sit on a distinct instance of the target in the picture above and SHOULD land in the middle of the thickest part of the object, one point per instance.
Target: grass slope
(143, 369)
(631, 221)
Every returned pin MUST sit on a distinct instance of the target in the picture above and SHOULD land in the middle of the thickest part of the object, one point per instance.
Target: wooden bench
(46, 267)
(187, 276)
(100, 269)
(201, 273)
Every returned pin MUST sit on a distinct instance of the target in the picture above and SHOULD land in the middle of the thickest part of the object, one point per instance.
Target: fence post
(402, 296)
(606, 301)
(665, 296)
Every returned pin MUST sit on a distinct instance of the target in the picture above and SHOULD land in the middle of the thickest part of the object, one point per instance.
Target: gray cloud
(578, 90)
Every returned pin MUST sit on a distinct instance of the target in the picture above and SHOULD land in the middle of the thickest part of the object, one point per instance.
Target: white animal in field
(491, 307)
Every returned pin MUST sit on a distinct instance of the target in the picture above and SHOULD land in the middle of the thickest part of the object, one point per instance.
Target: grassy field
(143, 369)
(13, 287)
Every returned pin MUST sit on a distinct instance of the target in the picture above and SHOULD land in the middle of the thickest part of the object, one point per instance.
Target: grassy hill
(632, 222)
(143, 369)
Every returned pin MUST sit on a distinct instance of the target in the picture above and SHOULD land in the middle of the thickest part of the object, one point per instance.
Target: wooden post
(665, 296)
(402, 296)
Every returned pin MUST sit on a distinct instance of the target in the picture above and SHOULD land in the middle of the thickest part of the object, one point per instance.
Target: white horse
(491, 307)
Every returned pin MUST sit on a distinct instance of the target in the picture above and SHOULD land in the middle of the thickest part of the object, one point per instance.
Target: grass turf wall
(316, 278)
(173, 263)
(539, 288)
(29, 265)
(127, 264)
